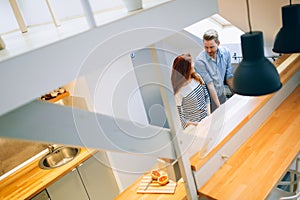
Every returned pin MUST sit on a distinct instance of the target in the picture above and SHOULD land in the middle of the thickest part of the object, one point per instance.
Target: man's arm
(230, 84)
(229, 72)
(213, 94)
(208, 109)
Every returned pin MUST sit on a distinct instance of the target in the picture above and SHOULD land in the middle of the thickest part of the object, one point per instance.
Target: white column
(2, 44)
(88, 13)
(15, 7)
(55, 21)
(176, 130)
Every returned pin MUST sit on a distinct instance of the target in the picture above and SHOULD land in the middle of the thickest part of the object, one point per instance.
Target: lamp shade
(287, 39)
(255, 75)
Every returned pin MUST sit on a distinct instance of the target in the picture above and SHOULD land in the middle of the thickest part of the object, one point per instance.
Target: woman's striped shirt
(191, 101)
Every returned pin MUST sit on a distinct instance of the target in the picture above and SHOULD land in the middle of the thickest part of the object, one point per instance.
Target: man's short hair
(211, 34)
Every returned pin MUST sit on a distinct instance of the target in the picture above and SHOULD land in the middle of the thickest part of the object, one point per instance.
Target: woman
(191, 96)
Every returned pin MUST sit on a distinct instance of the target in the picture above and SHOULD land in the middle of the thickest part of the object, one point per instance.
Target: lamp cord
(248, 13)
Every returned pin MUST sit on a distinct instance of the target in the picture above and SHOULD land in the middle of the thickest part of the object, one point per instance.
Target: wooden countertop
(30, 180)
(131, 193)
(255, 168)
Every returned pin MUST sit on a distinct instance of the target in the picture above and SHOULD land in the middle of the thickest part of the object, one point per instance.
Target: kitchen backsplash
(15, 152)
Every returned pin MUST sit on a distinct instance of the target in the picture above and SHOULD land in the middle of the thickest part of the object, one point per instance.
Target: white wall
(179, 43)
(34, 12)
(7, 19)
(265, 15)
(114, 91)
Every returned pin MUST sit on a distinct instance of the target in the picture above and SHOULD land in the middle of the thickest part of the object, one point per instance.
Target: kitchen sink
(58, 157)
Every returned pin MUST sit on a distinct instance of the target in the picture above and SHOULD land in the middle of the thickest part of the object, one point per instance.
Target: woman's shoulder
(197, 77)
(178, 98)
(194, 83)
(187, 89)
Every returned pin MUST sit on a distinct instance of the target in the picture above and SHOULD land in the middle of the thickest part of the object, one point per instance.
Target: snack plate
(147, 185)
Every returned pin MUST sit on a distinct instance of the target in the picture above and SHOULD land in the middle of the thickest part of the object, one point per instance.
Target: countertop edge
(29, 180)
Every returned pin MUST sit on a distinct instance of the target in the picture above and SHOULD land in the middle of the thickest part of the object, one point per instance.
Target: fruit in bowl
(61, 90)
(163, 180)
(155, 174)
(53, 94)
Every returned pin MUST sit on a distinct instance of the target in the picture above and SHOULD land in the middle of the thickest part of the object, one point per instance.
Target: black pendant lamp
(255, 75)
(287, 39)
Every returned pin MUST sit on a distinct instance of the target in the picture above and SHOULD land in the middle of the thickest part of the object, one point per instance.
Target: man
(214, 65)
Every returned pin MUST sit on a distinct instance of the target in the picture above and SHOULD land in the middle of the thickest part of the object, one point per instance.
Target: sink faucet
(51, 148)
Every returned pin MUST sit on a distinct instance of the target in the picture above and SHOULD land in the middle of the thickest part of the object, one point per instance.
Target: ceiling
(265, 15)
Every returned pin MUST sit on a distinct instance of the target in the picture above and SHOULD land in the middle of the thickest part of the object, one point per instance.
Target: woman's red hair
(181, 72)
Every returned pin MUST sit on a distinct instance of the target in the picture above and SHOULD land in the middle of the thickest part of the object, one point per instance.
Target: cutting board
(147, 185)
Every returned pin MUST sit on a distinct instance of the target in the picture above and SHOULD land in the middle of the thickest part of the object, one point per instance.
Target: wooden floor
(253, 171)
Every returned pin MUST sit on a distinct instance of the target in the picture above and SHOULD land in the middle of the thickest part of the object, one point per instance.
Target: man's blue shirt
(215, 71)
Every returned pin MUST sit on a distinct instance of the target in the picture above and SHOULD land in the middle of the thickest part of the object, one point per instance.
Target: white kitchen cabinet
(43, 195)
(98, 177)
(92, 180)
(68, 187)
